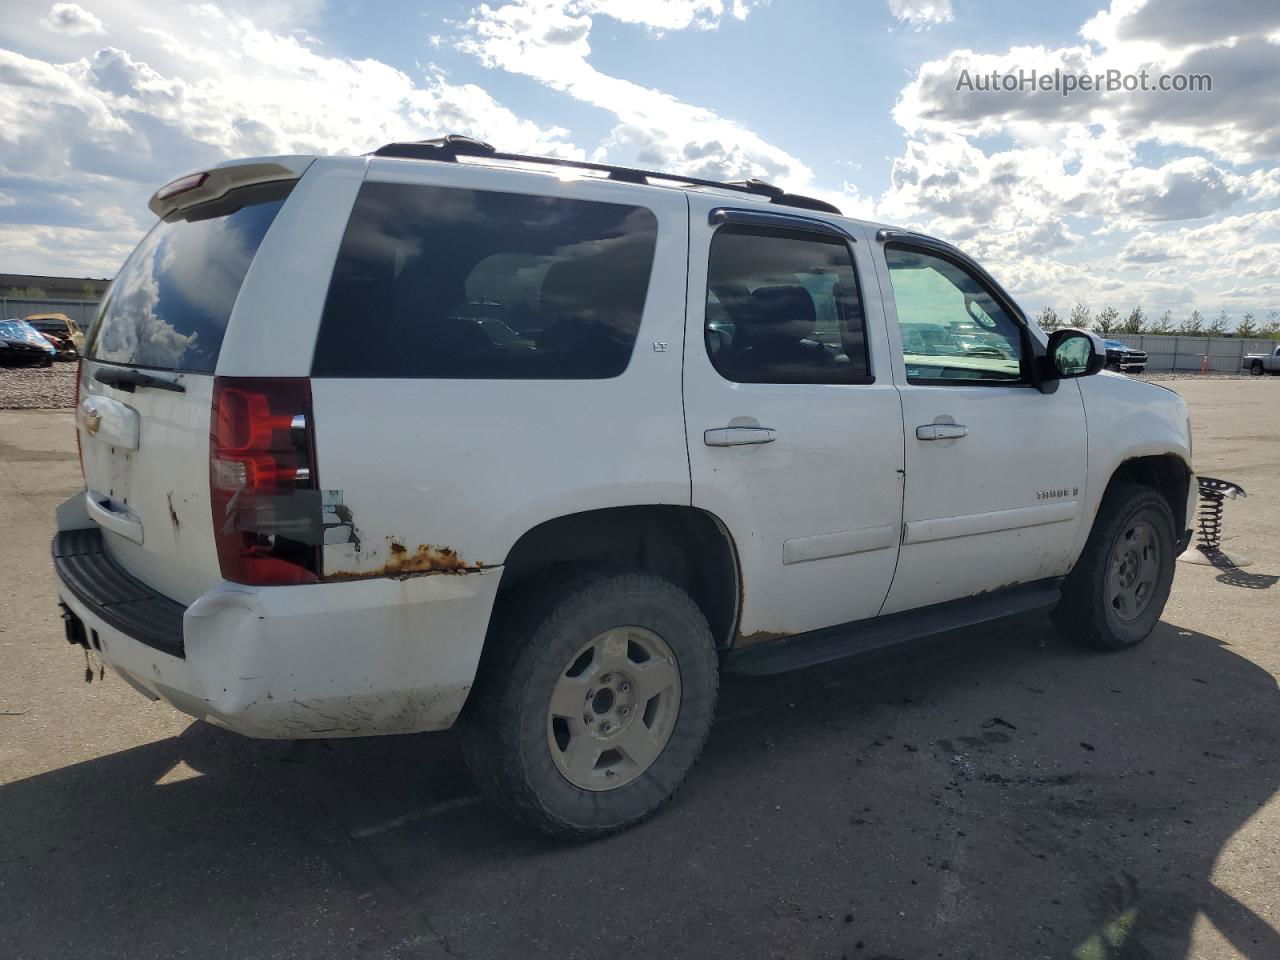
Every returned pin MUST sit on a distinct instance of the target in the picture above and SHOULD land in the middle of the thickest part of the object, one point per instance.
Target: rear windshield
(440, 282)
(169, 305)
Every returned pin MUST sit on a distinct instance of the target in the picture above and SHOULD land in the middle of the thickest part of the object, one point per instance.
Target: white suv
(444, 435)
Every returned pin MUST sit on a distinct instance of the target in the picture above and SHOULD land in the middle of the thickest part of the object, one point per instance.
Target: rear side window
(447, 283)
(784, 307)
(169, 305)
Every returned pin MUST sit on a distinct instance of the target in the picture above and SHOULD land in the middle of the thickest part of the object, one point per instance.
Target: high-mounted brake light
(262, 481)
(191, 181)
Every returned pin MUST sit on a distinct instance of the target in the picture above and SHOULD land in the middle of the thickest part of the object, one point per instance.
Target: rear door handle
(941, 431)
(737, 436)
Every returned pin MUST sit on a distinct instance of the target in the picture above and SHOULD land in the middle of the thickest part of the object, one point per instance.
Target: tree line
(1109, 321)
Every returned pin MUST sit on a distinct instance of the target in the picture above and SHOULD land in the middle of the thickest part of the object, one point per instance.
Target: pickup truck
(1123, 358)
(1260, 363)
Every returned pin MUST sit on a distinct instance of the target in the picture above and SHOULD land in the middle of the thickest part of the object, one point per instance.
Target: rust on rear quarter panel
(426, 559)
(760, 636)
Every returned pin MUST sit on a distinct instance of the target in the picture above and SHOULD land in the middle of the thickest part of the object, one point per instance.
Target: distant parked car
(22, 346)
(1260, 363)
(1122, 358)
(61, 331)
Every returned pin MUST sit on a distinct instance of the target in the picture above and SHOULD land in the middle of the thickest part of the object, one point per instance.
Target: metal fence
(1226, 354)
(81, 311)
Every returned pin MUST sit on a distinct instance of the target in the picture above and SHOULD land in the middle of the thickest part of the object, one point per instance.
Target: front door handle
(737, 436)
(941, 431)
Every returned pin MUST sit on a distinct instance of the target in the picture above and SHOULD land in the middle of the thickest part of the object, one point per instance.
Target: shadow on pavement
(995, 793)
(1250, 581)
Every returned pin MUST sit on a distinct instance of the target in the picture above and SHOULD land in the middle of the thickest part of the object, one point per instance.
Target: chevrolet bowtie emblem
(92, 421)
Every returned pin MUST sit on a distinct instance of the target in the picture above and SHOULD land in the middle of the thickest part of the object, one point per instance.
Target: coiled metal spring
(1209, 517)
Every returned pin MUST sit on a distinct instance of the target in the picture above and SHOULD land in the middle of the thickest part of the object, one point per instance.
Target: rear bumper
(348, 659)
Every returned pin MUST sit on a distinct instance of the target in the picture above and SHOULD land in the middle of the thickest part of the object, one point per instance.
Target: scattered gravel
(1192, 375)
(29, 388)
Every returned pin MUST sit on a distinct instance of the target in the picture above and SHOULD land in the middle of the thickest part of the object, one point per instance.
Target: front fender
(1127, 419)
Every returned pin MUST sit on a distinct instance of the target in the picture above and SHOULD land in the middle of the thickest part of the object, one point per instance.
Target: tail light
(262, 482)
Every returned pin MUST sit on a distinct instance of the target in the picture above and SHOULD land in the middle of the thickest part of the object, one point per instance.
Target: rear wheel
(1117, 591)
(1256, 369)
(595, 704)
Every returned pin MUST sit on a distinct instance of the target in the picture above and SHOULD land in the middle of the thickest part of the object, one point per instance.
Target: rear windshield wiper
(130, 380)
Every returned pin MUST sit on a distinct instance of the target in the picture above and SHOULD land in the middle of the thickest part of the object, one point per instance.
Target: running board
(849, 639)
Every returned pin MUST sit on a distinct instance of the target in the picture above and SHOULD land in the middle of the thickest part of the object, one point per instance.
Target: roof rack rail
(449, 148)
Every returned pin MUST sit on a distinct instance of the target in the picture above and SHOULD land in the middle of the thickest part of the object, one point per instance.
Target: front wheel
(1117, 591)
(594, 704)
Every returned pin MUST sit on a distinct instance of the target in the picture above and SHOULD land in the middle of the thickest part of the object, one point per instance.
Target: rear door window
(784, 307)
(169, 305)
(449, 283)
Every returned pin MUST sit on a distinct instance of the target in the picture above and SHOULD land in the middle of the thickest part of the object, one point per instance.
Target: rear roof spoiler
(205, 185)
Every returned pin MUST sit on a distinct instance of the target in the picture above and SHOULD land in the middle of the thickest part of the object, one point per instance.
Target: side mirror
(1074, 353)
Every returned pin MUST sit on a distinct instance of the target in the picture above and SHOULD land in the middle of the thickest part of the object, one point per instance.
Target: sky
(1170, 200)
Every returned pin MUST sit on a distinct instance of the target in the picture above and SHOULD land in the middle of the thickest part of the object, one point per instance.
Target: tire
(527, 755)
(1256, 370)
(1132, 536)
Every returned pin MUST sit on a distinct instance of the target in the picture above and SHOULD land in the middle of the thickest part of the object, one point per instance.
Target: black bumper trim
(118, 598)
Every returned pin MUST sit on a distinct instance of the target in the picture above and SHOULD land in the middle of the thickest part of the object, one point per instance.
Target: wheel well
(686, 546)
(1167, 474)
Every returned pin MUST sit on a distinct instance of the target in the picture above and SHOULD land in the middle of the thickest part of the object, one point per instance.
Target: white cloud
(72, 19)
(86, 141)
(549, 41)
(1174, 24)
(1068, 175)
(1094, 196)
(921, 13)
(668, 14)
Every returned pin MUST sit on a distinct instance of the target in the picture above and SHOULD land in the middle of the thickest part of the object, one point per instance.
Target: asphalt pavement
(994, 793)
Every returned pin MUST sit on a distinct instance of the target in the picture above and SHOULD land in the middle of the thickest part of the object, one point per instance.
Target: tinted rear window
(169, 305)
(439, 282)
